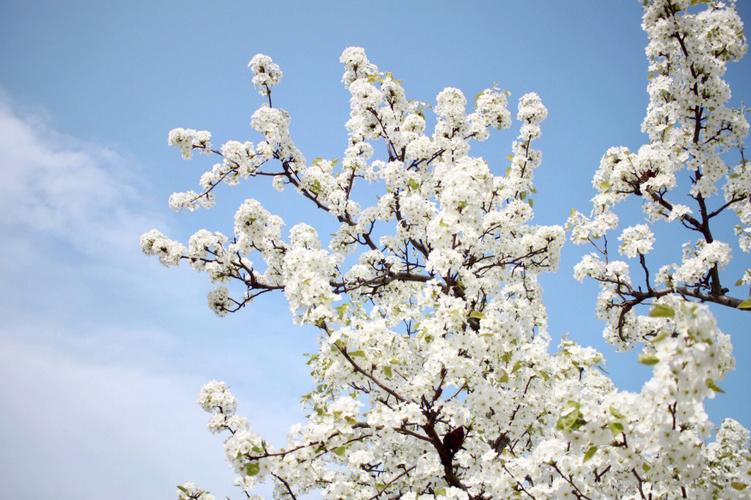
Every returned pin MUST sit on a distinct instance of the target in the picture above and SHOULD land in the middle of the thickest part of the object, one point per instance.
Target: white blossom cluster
(188, 139)
(189, 491)
(636, 240)
(266, 73)
(169, 251)
(435, 376)
(692, 132)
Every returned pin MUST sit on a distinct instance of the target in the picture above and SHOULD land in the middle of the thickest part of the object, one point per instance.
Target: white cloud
(99, 402)
(79, 430)
(82, 420)
(55, 184)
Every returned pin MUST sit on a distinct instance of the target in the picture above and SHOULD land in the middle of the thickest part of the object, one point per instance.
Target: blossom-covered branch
(434, 376)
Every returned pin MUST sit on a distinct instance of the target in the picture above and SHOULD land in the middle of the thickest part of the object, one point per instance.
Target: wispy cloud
(57, 185)
(98, 401)
(76, 429)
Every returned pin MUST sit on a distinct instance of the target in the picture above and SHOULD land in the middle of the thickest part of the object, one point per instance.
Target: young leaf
(662, 311)
(613, 411)
(648, 359)
(615, 427)
(252, 469)
(342, 309)
(476, 315)
(590, 453)
(713, 385)
(571, 418)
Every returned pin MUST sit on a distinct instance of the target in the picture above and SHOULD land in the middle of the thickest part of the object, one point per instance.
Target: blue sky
(102, 351)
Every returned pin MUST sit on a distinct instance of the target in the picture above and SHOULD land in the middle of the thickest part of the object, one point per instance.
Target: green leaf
(517, 366)
(182, 488)
(413, 184)
(531, 203)
(590, 453)
(660, 337)
(615, 427)
(713, 385)
(571, 417)
(380, 486)
(739, 282)
(604, 185)
(252, 469)
(357, 354)
(662, 311)
(316, 187)
(311, 359)
(341, 309)
(737, 485)
(504, 377)
(439, 491)
(388, 371)
(613, 411)
(339, 451)
(746, 304)
(648, 359)
(476, 315)
(390, 76)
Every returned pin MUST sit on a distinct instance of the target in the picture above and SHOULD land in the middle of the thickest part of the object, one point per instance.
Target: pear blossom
(435, 376)
(266, 73)
(636, 240)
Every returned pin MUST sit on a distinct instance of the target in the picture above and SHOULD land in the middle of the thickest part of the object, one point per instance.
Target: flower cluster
(188, 139)
(266, 73)
(434, 376)
(691, 130)
(189, 491)
(169, 251)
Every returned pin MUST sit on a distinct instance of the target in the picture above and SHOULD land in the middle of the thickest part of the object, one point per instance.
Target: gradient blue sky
(102, 351)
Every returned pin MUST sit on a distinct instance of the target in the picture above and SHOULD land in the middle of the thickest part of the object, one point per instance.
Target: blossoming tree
(434, 376)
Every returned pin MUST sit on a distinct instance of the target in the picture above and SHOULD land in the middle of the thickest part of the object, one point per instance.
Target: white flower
(155, 243)
(434, 375)
(187, 139)
(266, 73)
(636, 240)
